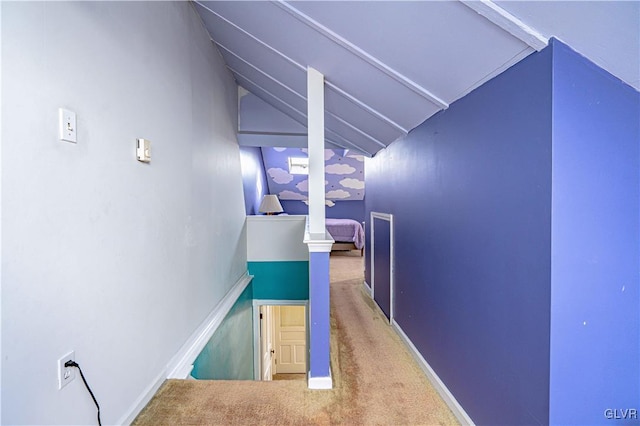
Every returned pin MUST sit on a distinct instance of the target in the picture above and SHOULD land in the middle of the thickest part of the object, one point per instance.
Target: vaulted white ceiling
(391, 65)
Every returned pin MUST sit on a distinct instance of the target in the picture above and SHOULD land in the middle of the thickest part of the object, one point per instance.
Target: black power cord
(75, 364)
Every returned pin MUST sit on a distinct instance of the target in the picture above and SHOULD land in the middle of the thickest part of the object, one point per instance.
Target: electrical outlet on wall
(66, 374)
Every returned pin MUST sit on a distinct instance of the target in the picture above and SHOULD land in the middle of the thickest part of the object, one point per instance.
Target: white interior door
(290, 339)
(266, 342)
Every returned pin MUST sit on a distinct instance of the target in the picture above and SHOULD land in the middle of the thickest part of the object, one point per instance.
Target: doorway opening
(280, 339)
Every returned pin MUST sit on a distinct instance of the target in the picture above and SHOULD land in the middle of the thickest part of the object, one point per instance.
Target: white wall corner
(438, 384)
(320, 383)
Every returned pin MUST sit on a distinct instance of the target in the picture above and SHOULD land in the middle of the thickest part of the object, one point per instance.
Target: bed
(347, 233)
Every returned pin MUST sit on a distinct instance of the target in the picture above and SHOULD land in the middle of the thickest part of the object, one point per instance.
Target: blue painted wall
(254, 178)
(341, 210)
(229, 353)
(283, 280)
(517, 254)
(319, 315)
(470, 190)
(595, 305)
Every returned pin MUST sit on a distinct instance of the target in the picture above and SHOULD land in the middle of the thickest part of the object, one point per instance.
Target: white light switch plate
(67, 125)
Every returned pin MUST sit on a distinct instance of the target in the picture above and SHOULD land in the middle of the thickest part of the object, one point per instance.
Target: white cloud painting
(290, 195)
(338, 193)
(328, 203)
(303, 185)
(339, 169)
(280, 176)
(352, 183)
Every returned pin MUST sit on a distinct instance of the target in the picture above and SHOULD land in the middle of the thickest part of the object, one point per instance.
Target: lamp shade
(270, 205)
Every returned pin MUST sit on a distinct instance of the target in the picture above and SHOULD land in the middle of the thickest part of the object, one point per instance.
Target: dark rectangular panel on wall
(382, 264)
(470, 191)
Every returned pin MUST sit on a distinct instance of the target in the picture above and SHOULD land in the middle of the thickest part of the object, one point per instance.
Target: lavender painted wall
(470, 190)
(254, 179)
(517, 256)
(595, 305)
(319, 329)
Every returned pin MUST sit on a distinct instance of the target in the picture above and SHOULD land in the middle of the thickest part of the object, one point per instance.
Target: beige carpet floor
(376, 381)
(289, 376)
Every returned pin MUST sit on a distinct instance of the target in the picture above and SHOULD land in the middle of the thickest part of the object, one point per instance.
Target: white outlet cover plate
(66, 374)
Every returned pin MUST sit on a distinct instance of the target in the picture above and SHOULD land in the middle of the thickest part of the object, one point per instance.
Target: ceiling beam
(304, 98)
(362, 54)
(302, 68)
(300, 113)
(508, 22)
(365, 107)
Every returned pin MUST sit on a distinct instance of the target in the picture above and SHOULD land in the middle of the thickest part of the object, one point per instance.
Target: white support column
(318, 240)
(315, 128)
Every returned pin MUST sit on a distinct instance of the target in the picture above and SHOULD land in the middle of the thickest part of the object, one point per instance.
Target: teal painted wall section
(229, 353)
(286, 280)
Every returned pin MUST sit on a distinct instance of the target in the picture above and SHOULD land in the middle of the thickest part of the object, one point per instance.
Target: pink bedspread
(346, 231)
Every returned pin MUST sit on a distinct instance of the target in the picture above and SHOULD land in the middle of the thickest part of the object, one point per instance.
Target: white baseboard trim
(367, 287)
(142, 400)
(180, 366)
(320, 382)
(440, 387)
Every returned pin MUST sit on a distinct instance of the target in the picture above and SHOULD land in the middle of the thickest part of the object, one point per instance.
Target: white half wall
(117, 260)
(276, 238)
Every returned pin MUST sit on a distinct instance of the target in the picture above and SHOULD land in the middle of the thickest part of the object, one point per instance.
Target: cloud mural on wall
(344, 173)
(280, 175)
(339, 169)
(291, 195)
(327, 203)
(352, 183)
(338, 193)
